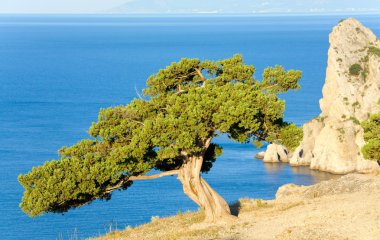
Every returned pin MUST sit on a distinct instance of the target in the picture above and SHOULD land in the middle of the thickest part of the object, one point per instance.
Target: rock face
(260, 155)
(332, 141)
(276, 153)
(350, 183)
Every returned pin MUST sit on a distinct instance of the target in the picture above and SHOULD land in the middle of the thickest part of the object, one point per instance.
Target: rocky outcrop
(350, 183)
(260, 155)
(274, 153)
(332, 141)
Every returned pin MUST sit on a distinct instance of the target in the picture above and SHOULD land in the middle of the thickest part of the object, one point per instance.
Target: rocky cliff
(332, 141)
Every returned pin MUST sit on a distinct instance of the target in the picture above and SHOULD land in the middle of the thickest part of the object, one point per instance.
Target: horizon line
(332, 13)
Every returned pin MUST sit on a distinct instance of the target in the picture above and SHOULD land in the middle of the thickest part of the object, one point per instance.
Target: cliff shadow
(235, 208)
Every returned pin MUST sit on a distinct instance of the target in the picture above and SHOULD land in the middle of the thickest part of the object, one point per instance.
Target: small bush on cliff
(371, 127)
(355, 120)
(288, 135)
(374, 51)
(342, 20)
(291, 136)
(355, 69)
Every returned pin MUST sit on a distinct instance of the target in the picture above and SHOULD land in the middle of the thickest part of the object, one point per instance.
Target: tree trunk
(195, 187)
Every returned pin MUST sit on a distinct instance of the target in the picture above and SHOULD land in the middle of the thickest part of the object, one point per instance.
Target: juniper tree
(171, 129)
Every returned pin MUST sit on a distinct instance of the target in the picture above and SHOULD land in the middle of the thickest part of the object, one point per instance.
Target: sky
(179, 6)
(58, 6)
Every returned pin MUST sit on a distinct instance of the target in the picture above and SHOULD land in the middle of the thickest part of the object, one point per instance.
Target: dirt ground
(344, 208)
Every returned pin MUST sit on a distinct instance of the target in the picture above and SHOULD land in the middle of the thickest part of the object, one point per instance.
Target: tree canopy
(184, 107)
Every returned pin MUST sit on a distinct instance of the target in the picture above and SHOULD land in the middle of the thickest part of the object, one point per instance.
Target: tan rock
(260, 155)
(332, 142)
(303, 154)
(276, 153)
(349, 183)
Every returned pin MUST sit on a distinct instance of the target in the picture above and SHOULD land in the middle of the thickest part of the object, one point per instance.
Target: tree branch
(199, 72)
(148, 177)
(248, 132)
(270, 86)
(139, 122)
(138, 94)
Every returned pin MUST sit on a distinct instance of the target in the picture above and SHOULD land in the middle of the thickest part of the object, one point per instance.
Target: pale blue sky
(57, 6)
(190, 6)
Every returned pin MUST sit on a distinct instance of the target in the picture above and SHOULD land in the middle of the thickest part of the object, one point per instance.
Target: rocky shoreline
(332, 141)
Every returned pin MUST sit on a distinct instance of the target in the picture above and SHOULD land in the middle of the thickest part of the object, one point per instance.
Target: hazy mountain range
(245, 6)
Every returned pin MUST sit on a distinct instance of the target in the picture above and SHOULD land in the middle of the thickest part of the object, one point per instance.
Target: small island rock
(276, 153)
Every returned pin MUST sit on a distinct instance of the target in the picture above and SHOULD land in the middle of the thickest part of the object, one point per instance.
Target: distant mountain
(245, 6)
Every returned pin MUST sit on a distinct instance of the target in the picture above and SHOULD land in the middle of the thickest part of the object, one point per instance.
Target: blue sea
(56, 72)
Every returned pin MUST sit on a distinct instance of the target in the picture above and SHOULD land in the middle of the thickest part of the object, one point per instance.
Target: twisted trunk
(195, 187)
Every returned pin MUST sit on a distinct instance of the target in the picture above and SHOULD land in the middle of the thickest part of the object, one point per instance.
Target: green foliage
(291, 136)
(355, 120)
(355, 69)
(374, 51)
(341, 130)
(356, 104)
(320, 119)
(260, 203)
(185, 106)
(58, 185)
(277, 80)
(371, 127)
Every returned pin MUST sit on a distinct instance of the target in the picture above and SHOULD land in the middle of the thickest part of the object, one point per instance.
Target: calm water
(56, 72)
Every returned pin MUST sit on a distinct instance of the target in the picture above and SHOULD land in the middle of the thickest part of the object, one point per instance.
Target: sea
(57, 71)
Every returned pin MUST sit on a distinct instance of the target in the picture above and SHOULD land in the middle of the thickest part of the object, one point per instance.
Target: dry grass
(329, 210)
(248, 205)
(170, 228)
(187, 225)
(287, 206)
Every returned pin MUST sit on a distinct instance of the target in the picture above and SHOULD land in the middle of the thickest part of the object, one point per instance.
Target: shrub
(355, 69)
(320, 119)
(374, 50)
(356, 104)
(341, 130)
(371, 127)
(355, 120)
(291, 136)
